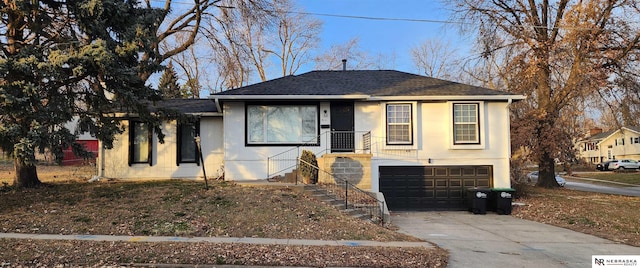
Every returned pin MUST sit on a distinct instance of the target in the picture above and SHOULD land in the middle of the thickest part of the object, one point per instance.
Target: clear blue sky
(384, 36)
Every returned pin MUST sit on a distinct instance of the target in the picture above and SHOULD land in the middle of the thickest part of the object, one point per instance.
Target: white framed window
(399, 123)
(466, 123)
(282, 124)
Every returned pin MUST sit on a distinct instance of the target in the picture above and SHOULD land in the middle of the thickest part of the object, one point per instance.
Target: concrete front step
(321, 195)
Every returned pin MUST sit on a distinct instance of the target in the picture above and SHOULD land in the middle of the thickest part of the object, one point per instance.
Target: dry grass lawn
(67, 204)
(185, 208)
(613, 217)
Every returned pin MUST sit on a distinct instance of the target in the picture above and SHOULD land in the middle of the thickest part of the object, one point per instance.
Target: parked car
(604, 166)
(533, 178)
(623, 164)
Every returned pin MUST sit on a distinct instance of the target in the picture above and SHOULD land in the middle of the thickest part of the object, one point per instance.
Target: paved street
(590, 187)
(600, 186)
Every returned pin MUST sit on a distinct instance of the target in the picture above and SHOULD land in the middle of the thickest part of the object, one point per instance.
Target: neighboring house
(623, 143)
(89, 142)
(420, 141)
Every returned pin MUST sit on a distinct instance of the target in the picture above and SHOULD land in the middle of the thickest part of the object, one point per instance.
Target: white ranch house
(418, 140)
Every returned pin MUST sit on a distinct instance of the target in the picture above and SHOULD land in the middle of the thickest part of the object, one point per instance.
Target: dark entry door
(342, 136)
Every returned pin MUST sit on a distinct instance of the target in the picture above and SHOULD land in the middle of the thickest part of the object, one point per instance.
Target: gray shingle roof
(188, 106)
(601, 135)
(362, 82)
(634, 128)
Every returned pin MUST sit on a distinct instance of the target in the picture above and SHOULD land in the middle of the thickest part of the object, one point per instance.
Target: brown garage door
(430, 187)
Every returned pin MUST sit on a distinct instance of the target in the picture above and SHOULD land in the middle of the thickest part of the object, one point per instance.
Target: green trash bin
(501, 199)
(477, 199)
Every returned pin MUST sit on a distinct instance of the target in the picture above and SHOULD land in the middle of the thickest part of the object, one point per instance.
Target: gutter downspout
(509, 102)
(217, 102)
(102, 161)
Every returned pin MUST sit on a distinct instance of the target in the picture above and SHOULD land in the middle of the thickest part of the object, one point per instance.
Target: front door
(342, 136)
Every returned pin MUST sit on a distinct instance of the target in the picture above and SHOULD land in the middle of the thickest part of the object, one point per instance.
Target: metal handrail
(354, 197)
(286, 160)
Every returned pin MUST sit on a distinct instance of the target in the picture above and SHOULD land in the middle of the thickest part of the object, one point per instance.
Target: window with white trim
(466, 123)
(399, 128)
(282, 124)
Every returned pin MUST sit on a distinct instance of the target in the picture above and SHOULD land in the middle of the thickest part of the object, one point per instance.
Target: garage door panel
(429, 183)
(469, 183)
(483, 171)
(429, 187)
(456, 193)
(442, 193)
(442, 183)
(441, 171)
(483, 183)
(428, 194)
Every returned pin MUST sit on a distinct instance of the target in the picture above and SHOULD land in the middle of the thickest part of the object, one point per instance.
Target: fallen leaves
(184, 208)
(612, 217)
(87, 253)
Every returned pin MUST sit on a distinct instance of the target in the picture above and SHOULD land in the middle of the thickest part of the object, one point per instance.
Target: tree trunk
(26, 175)
(546, 172)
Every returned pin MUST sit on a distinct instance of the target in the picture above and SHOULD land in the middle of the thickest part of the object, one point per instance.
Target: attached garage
(430, 187)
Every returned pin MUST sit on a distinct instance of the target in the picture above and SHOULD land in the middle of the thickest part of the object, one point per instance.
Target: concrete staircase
(289, 177)
(321, 194)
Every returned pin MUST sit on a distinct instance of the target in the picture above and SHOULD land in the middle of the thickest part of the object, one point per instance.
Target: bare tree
(191, 66)
(227, 39)
(622, 98)
(563, 51)
(357, 59)
(298, 33)
(435, 58)
(182, 23)
(187, 20)
(248, 41)
(228, 57)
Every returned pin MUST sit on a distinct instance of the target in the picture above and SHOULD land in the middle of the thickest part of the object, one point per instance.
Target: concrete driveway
(493, 240)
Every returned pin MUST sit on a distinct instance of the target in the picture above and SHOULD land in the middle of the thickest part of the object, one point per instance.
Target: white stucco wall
(113, 163)
(432, 140)
(245, 162)
(433, 145)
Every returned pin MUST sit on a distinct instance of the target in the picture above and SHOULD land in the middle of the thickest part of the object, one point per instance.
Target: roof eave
(630, 129)
(366, 97)
(199, 114)
(289, 97)
(449, 98)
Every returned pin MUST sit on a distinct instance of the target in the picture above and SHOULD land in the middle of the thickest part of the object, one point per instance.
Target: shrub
(309, 167)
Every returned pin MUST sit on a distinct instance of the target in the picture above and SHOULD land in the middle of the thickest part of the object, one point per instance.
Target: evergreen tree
(168, 85)
(63, 58)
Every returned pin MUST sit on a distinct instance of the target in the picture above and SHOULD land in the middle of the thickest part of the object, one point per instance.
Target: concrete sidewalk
(243, 240)
(493, 240)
